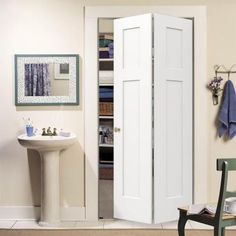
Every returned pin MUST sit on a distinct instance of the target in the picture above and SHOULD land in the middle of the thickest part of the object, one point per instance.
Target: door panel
(172, 116)
(131, 154)
(133, 115)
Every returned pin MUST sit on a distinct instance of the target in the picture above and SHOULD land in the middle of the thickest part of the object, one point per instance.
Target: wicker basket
(106, 108)
(106, 173)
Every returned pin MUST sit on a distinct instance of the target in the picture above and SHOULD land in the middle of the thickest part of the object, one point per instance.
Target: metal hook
(231, 68)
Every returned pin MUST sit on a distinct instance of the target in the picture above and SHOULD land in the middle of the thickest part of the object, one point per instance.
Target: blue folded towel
(227, 114)
(106, 92)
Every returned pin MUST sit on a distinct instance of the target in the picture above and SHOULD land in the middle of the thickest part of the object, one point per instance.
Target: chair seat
(220, 220)
(211, 216)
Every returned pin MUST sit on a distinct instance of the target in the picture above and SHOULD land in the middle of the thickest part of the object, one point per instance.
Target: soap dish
(64, 134)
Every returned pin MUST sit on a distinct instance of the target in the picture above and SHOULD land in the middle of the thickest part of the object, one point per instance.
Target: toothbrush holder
(29, 131)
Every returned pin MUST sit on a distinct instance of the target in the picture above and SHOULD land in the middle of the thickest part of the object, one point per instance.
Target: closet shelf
(105, 59)
(106, 84)
(106, 145)
(106, 117)
(106, 163)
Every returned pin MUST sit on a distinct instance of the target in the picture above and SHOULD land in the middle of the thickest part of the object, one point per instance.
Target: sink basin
(49, 148)
(46, 143)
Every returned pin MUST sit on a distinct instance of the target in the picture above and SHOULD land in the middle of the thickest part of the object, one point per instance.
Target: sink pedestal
(50, 193)
(49, 148)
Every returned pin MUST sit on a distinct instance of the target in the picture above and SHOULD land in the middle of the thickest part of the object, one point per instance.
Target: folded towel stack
(105, 93)
(104, 52)
(106, 46)
(104, 42)
(110, 46)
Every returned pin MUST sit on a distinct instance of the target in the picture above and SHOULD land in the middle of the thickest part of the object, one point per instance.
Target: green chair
(219, 221)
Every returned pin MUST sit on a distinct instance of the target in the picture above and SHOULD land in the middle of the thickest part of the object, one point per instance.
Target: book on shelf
(202, 209)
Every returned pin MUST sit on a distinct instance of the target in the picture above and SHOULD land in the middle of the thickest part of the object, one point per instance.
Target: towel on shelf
(106, 92)
(111, 49)
(103, 54)
(104, 42)
(227, 114)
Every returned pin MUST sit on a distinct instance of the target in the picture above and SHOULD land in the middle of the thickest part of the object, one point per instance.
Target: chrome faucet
(49, 132)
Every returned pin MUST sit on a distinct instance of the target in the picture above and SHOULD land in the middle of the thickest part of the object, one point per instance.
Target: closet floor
(105, 199)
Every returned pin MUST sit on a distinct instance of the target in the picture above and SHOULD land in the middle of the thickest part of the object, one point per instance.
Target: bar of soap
(64, 134)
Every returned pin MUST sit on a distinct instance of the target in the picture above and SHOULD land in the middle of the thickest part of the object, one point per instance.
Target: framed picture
(62, 71)
(46, 79)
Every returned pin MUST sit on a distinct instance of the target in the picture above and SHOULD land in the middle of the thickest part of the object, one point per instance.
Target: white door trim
(91, 96)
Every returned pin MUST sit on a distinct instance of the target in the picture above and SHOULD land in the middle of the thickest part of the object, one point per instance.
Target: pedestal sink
(49, 148)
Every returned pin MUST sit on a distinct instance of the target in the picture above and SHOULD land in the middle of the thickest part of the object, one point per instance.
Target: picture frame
(62, 71)
(40, 80)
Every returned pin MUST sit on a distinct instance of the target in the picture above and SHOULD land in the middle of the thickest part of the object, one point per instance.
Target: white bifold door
(152, 117)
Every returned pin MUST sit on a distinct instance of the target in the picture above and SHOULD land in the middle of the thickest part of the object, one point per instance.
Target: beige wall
(37, 27)
(221, 50)
(105, 25)
(52, 26)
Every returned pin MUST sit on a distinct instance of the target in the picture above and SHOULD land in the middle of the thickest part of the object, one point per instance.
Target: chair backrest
(231, 164)
(224, 165)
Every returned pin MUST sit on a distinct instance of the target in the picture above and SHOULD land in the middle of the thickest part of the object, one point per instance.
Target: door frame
(200, 132)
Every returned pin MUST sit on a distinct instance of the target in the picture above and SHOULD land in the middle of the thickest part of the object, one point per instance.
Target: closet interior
(105, 135)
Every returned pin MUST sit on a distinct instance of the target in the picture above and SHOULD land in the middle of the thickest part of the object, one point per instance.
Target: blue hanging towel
(227, 114)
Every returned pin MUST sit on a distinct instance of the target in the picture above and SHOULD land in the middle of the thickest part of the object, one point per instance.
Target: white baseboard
(33, 213)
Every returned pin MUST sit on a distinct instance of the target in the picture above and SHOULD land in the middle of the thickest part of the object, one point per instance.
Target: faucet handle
(54, 132)
(44, 131)
(49, 130)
